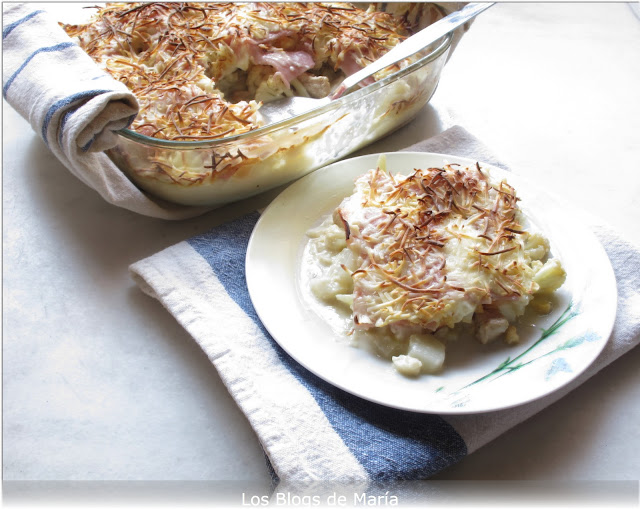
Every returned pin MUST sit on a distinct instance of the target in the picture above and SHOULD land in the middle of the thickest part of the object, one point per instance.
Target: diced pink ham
(349, 64)
(272, 37)
(289, 64)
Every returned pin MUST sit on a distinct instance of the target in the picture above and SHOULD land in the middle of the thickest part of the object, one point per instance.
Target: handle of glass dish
(413, 45)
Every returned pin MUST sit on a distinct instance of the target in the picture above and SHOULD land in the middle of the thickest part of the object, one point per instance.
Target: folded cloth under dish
(74, 105)
(309, 429)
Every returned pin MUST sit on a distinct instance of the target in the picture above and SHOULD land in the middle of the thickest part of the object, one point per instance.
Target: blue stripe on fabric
(9, 28)
(390, 444)
(63, 103)
(48, 49)
(275, 480)
(63, 122)
(87, 145)
(68, 114)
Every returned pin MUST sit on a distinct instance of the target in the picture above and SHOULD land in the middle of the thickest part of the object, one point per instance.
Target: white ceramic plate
(553, 351)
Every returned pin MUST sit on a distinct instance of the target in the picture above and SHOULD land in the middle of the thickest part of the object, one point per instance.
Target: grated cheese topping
(434, 246)
(424, 258)
(201, 70)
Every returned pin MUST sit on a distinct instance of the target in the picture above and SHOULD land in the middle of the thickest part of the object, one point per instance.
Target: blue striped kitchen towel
(72, 104)
(310, 430)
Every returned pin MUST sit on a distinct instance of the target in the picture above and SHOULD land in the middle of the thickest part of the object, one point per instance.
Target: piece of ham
(351, 66)
(349, 63)
(288, 64)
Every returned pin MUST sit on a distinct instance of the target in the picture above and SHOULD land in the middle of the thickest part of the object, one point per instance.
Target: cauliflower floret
(406, 365)
(550, 276)
(330, 236)
(315, 86)
(536, 246)
(207, 85)
(265, 85)
(346, 299)
(513, 309)
(384, 344)
(428, 350)
(490, 324)
(335, 281)
(541, 305)
(223, 61)
(511, 337)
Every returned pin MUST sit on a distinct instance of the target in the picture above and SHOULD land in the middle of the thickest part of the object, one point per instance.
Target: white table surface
(101, 384)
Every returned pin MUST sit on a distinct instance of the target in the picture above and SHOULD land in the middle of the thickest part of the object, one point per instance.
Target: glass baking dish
(214, 173)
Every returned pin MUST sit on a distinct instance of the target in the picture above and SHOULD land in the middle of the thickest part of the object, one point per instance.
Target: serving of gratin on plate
(201, 72)
(431, 283)
(423, 259)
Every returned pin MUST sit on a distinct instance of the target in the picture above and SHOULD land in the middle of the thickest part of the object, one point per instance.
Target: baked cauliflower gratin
(419, 260)
(201, 71)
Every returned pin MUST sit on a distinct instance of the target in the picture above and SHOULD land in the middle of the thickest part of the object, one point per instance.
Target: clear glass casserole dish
(214, 173)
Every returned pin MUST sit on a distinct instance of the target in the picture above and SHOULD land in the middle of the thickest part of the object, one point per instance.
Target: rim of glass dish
(444, 44)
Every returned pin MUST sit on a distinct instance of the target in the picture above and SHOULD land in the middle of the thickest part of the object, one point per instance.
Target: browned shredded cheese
(409, 230)
(201, 70)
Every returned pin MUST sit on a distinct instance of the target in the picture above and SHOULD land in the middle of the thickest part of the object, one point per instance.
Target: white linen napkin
(310, 430)
(74, 105)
